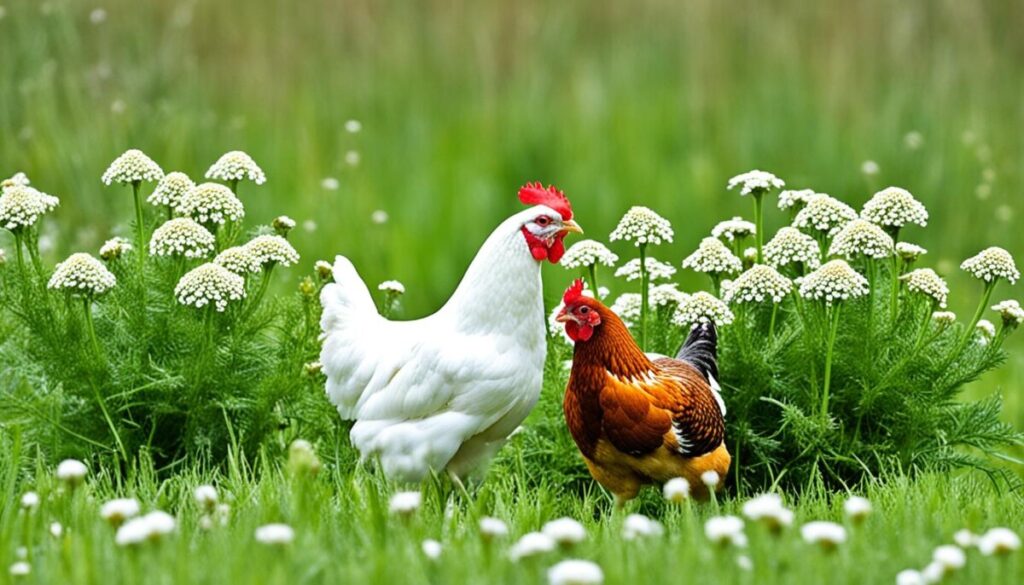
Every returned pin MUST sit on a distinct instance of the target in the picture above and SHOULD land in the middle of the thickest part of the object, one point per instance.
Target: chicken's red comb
(573, 293)
(536, 194)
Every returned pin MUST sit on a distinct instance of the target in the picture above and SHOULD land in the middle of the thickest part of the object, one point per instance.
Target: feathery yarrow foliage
(893, 207)
(21, 206)
(926, 282)
(182, 236)
(588, 253)
(269, 249)
(211, 203)
(702, 307)
(757, 285)
(132, 167)
(236, 166)
(755, 182)
(239, 259)
(733, 229)
(656, 270)
(861, 238)
(642, 226)
(832, 282)
(171, 190)
(792, 246)
(82, 274)
(992, 264)
(713, 257)
(208, 284)
(824, 214)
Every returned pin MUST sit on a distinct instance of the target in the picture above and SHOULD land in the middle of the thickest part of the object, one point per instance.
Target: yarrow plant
(757, 184)
(643, 227)
(714, 259)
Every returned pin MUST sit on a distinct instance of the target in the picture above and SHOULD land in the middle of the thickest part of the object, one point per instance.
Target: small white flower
(588, 253)
(861, 238)
(575, 572)
(759, 284)
(755, 182)
(913, 140)
(702, 307)
(910, 577)
(926, 282)
(733, 229)
(210, 203)
(790, 199)
(115, 248)
(283, 224)
(791, 246)
(944, 318)
(893, 208)
(711, 479)
(949, 557)
(991, 264)
(769, 510)
(986, 331)
(324, 270)
(676, 490)
(431, 549)
(964, 538)
(642, 226)
(627, 307)
(352, 158)
(83, 274)
(238, 259)
(1011, 312)
(236, 166)
(639, 526)
(492, 528)
(869, 167)
(656, 270)
(531, 544)
(857, 508)
(827, 535)
(20, 569)
(56, 529)
(405, 503)
(170, 190)
(71, 471)
(30, 500)
(834, 281)
(565, 531)
(353, 126)
(909, 252)
(330, 183)
(713, 257)
(392, 286)
(275, 534)
(117, 511)
(206, 497)
(160, 523)
(132, 167)
(21, 206)
(181, 236)
(750, 255)
(379, 217)
(998, 541)
(824, 214)
(666, 295)
(209, 283)
(725, 530)
(133, 532)
(272, 249)
(933, 573)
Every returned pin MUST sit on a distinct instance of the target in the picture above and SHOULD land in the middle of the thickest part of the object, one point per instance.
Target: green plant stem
(20, 254)
(758, 220)
(771, 324)
(894, 298)
(833, 329)
(592, 270)
(87, 303)
(140, 226)
(644, 285)
(264, 283)
(989, 287)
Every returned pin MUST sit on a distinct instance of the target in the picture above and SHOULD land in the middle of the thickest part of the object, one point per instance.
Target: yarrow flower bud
(588, 253)
(892, 208)
(273, 249)
(238, 259)
(702, 307)
(986, 331)
(21, 206)
(861, 238)
(1011, 312)
(755, 182)
(909, 252)
(759, 284)
(791, 246)
(211, 203)
(283, 224)
(627, 307)
(132, 167)
(713, 257)
(736, 228)
(171, 190)
(209, 283)
(236, 166)
(392, 286)
(114, 248)
(181, 236)
(794, 199)
(666, 295)
(833, 282)
(824, 214)
(926, 282)
(992, 264)
(642, 226)
(82, 274)
(944, 318)
(324, 270)
(656, 270)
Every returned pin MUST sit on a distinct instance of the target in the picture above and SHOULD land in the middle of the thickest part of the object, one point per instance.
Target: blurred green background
(652, 102)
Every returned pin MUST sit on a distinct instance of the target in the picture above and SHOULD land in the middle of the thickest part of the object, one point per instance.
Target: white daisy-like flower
(827, 535)
(666, 295)
(656, 270)
(211, 203)
(926, 282)
(276, 534)
(82, 274)
(530, 545)
(834, 281)
(713, 257)
(432, 549)
(171, 190)
(588, 253)
(492, 528)
(792, 246)
(236, 166)
(794, 198)
(999, 541)
(755, 182)
(769, 510)
(893, 208)
(639, 526)
(21, 206)
(759, 284)
(565, 531)
(824, 214)
(733, 229)
(861, 238)
(114, 248)
(209, 284)
(965, 539)
(950, 557)
(405, 503)
(238, 259)
(181, 236)
(909, 252)
(1011, 312)
(676, 490)
(944, 318)
(575, 572)
(986, 331)
(206, 496)
(910, 577)
(117, 511)
(702, 307)
(273, 249)
(711, 479)
(857, 508)
(392, 286)
(725, 531)
(641, 225)
(283, 224)
(30, 500)
(132, 167)
(991, 264)
(627, 307)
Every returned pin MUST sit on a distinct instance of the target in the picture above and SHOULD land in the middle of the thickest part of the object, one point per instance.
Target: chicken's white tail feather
(408, 449)
(347, 295)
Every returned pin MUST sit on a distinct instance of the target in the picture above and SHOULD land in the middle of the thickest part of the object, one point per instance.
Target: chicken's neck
(611, 348)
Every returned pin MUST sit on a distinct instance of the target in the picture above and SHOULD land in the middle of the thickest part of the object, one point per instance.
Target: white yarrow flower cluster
(151, 527)
(666, 295)
(702, 307)
(18, 178)
(132, 167)
(759, 284)
(181, 236)
(274, 249)
(236, 166)
(713, 257)
(827, 535)
(492, 528)
(768, 510)
(405, 503)
(575, 572)
(861, 238)
(792, 246)
(824, 214)
(794, 198)
(857, 508)
(171, 190)
(565, 531)
(21, 206)
(1011, 312)
(926, 282)
(909, 252)
(986, 331)
(627, 307)
(211, 203)
(991, 264)
(638, 526)
(834, 281)
(656, 270)
(275, 534)
(209, 284)
(676, 490)
(392, 286)
(71, 471)
(755, 182)
(944, 318)
(115, 248)
(725, 531)
(733, 229)
(238, 259)
(998, 541)
(82, 274)
(588, 253)
(116, 512)
(530, 545)
(892, 208)
(641, 225)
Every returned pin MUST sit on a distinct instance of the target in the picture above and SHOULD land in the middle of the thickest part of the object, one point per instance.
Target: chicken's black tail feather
(701, 350)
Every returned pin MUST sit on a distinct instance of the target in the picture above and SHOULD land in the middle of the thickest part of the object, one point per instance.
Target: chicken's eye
(584, 310)
(543, 221)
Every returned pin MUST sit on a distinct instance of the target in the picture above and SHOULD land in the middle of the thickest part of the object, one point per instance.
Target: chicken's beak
(571, 226)
(563, 317)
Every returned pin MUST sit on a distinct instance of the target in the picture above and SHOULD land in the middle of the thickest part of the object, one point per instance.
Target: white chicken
(444, 392)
